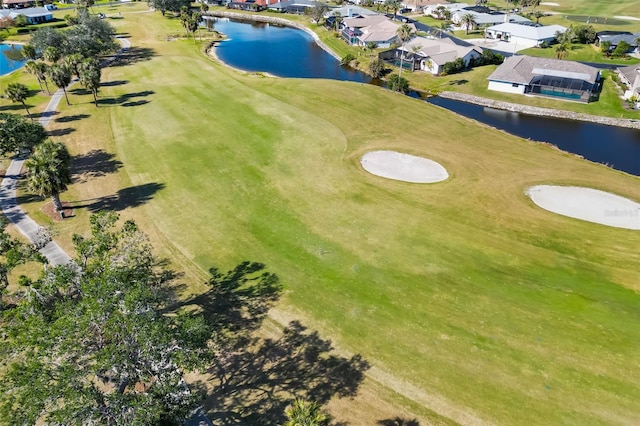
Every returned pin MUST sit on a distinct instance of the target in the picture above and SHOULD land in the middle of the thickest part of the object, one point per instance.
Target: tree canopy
(19, 134)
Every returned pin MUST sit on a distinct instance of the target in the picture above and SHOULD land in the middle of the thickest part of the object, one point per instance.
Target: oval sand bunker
(587, 204)
(404, 167)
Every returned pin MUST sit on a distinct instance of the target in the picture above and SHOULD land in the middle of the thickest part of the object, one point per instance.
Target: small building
(34, 15)
(297, 7)
(616, 37)
(566, 80)
(485, 19)
(18, 4)
(433, 9)
(524, 35)
(351, 11)
(430, 55)
(352, 27)
(630, 77)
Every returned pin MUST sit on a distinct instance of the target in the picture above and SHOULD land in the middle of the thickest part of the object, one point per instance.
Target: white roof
(488, 18)
(364, 21)
(349, 11)
(440, 51)
(381, 32)
(529, 32)
(29, 12)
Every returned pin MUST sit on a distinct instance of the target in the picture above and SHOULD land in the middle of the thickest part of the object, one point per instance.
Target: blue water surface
(8, 65)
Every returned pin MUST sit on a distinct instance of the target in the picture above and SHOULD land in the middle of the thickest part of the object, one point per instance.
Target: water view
(288, 52)
(11, 58)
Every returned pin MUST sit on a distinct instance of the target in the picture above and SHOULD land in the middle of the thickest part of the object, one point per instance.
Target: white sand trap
(631, 18)
(587, 204)
(404, 167)
(549, 3)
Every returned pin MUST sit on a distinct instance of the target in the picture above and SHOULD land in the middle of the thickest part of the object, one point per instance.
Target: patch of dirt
(56, 216)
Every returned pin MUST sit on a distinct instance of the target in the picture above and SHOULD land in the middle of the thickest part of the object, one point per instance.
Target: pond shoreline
(477, 100)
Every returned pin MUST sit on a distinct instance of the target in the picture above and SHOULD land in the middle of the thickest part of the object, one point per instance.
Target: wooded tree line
(105, 340)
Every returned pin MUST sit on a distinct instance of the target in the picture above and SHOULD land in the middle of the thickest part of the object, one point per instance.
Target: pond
(11, 58)
(288, 52)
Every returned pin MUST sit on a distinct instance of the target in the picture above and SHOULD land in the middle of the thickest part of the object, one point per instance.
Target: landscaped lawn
(471, 303)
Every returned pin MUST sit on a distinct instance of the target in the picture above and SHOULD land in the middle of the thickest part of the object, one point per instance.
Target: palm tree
(302, 413)
(371, 46)
(48, 171)
(18, 92)
(51, 54)
(41, 69)
(61, 77)
(337, 20)
(537, 14)
(72, 62)
(468, 21)
(561, 51)
(89, 73)
(404, 33)
(31, 67)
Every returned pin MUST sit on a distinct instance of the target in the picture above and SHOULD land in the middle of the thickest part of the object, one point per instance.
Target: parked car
(50, 6)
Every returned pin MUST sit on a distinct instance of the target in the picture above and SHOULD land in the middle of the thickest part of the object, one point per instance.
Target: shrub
(453, 67)
(346, 60)
(398, 83)
(377, 69)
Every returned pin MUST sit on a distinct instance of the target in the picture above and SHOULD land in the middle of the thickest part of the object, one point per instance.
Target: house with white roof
(376, 29)
(524, 35)
(560, 79)
(485, 18)
(350, 11)
(34, 15)
(430, 55)
(432, 9)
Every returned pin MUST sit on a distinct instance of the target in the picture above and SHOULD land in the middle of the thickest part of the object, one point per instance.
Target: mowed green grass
(492, 308)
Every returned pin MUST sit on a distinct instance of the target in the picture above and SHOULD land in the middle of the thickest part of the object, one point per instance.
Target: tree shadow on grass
(70, 118)
(94, 164)
(255, 378)
(61, 132)
(13, 107)
(132, 55)
(399, 421)
(127, 99)
(114, 83)
(133, 196)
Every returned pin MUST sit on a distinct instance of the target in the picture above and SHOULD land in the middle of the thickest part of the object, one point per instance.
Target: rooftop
(521, 69)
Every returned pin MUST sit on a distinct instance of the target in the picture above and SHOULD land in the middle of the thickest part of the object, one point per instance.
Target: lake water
(7, 64)
(288, 52)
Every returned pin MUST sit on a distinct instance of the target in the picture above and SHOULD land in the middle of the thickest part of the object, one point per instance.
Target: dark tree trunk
(27, 109)
(57, 204)
(64, 89)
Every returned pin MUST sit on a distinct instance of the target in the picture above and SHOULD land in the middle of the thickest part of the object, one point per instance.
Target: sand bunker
(404, 167)
(587, 204)
(548, 3)
(631, 18)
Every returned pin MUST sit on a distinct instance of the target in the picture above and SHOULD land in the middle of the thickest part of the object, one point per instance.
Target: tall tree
(337, 20)
(72, 61)
(18, 92)
(89, 344)
(61, 77)
(561, 51)
(51, 54)
(29, 52)
(404, 33)
(18, 134)
(48, 171)
(317, 12)
(89, 73)
(468, 21)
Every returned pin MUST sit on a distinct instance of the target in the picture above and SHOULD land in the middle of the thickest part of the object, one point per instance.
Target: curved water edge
(492, 103)
(291, 53)
(8, 65)
(272, 20)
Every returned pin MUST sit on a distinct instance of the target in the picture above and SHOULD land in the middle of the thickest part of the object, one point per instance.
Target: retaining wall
(542, 112)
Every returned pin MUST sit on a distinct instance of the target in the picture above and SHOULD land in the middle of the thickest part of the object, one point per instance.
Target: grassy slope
(463, 289)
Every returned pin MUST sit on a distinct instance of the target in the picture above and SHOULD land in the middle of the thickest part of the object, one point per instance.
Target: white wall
(506, 87)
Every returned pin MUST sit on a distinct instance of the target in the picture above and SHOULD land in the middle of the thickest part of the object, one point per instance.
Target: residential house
(34, 15)
(560, 79)
(524, 35)
(630, 77)
(352, 27)
(18, 4)
(351, 11)
(383, 34)
(616, 37)
(432, 9)
(483, 17)
(298, 7)
(430, 55)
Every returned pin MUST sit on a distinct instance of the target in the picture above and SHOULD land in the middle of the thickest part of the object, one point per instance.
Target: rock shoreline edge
(541, 112)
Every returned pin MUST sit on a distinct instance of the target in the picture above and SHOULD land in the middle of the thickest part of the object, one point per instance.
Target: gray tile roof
(522, 69)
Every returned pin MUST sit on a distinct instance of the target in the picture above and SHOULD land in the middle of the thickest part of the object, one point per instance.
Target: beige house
(630, 76)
